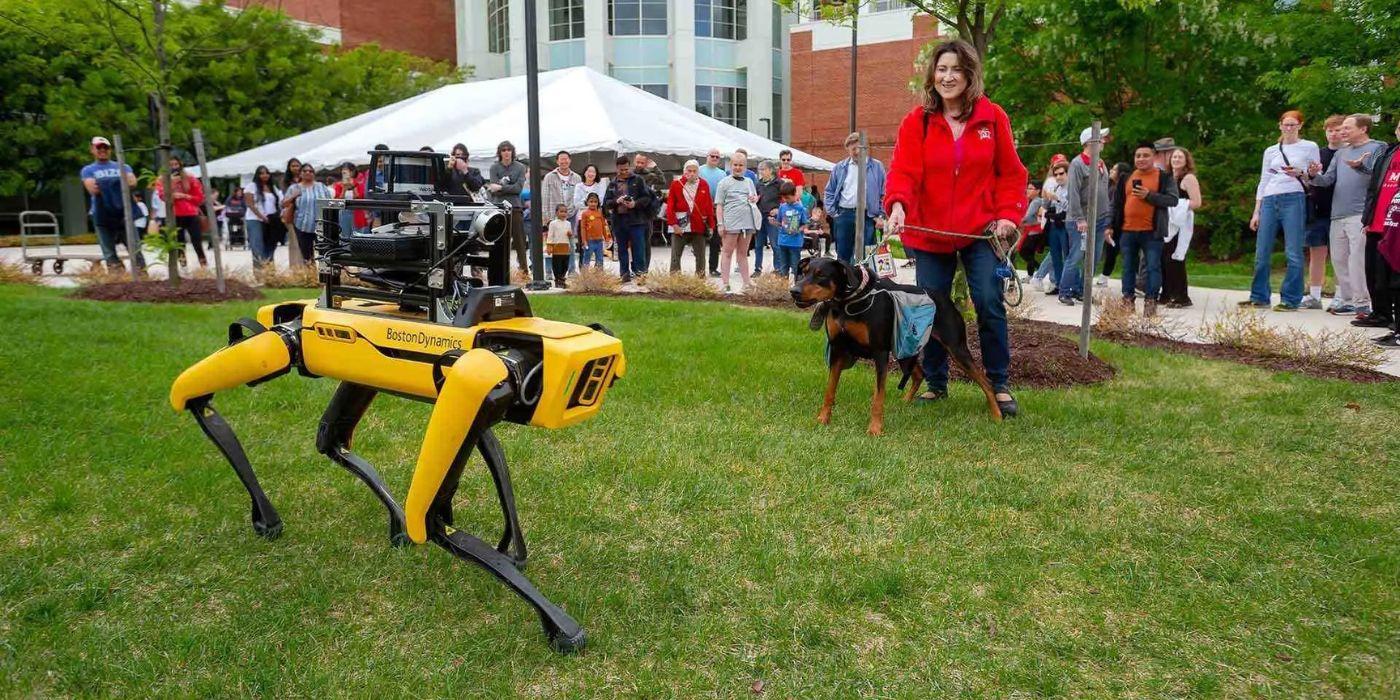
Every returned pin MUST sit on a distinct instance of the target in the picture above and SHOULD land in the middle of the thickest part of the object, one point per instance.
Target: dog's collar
(864, 289)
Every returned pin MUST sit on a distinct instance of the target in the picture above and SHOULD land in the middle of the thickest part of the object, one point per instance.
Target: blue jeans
(1131, 244)
(785, 259)
(631, 248)
(1053, 263)
(767, 235)
(844, 231)
(258, 244)
(593, 250)
(934, 272)
(1072, 277)
(109, 237)
(1280, 211)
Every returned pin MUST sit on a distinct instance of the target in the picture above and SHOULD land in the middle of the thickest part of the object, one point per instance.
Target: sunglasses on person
(786, 160)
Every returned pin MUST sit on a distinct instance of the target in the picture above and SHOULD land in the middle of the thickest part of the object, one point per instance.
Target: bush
(296, 277)
(16, 273)
(594, 280)
(770, 288)
(680, 284)
(1114, 317)
(1245, 329)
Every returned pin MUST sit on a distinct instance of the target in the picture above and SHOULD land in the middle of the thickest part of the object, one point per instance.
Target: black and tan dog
(860, 324)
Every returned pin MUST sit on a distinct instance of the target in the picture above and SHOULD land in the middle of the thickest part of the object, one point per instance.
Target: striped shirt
(306, 197)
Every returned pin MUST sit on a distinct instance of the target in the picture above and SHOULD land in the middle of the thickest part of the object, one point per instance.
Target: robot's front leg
(246, 360)
(475, 393)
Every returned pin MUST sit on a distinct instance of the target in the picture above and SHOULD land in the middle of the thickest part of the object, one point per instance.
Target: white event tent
(581, 111)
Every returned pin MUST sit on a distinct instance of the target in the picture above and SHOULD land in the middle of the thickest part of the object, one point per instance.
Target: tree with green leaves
(63, 78)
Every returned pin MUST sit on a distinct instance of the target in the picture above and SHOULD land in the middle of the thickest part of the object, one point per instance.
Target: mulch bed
(1220, 352)
(190, 291)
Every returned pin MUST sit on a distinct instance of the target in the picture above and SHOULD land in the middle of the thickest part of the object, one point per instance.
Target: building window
(565, 20)
(722, 19)
(777, 26)
(777, 118)
(497, 26)
(888, 5)
(662, 91)
(637, 17)
(727, 104)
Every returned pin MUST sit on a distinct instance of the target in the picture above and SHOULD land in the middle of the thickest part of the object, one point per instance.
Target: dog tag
(884, 262)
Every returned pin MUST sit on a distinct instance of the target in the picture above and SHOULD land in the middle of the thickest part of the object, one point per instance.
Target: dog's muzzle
(798, 300)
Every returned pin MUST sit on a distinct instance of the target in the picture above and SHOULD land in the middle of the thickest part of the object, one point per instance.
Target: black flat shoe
(1009, 408)
(1370, 321)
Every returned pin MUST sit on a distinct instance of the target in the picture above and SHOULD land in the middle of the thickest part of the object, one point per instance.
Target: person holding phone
(1280, 203)
(463, 178)
(1140, 216)
(507, 180)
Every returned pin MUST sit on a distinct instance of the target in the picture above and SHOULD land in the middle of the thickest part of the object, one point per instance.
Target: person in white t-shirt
(1279, 203)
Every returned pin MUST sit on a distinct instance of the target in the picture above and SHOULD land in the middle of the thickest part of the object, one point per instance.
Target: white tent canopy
(581, 110)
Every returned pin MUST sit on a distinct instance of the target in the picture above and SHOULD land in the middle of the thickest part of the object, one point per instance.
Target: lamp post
(532, 117)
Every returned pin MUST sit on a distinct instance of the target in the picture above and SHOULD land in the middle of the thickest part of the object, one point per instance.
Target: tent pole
(532, 116)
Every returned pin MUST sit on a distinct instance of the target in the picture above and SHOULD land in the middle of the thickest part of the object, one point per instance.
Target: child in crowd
(1032, 237)
(818, 230)
(789, 219)
(593, 230)
(559, 241)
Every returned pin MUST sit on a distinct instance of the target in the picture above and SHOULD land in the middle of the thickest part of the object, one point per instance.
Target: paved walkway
(1208, 302)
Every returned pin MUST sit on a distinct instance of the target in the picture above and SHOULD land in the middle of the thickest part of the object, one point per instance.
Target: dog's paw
(824, 418)
(876, 430)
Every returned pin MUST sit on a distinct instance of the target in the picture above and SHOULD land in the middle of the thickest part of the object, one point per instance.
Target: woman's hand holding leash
(895, 223)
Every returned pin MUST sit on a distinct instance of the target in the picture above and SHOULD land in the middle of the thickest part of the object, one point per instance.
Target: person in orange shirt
(1145, 196)
(593, 230)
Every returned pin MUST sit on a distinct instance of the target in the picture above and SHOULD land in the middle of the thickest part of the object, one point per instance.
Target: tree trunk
(172, 262)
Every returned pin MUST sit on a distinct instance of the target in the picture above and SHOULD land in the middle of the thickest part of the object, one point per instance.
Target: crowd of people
(1332, 202)
(1143, 212)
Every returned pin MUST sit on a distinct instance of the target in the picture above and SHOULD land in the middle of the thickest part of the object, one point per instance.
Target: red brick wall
(423, 27)
(323, 12)
(821, 107)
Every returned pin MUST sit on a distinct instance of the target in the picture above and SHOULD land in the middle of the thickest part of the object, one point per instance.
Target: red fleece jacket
(958, 186)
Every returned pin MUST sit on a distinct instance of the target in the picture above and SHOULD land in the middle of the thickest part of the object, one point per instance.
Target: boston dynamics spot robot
(421, 324)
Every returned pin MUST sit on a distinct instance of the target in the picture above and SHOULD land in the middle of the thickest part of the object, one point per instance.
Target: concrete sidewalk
(1209, 303)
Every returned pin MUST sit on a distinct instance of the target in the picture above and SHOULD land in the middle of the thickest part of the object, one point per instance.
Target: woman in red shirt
(691, 214)
(351, 186)
(955, 169)
(188, 198)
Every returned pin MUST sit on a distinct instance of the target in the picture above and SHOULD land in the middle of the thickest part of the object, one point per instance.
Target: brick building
(426, 28)
(889, 43)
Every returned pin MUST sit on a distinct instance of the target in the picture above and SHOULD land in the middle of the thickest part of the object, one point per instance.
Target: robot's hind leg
(266, 522)
(347, 407)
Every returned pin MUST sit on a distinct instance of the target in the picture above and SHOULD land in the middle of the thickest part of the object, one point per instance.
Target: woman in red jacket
(691, 214)
(187, 200)
(955, 169)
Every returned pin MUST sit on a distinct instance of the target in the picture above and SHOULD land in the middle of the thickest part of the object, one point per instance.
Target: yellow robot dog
(425, 328)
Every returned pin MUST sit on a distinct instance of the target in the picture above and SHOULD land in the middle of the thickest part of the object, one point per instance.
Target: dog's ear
(852, 277)
(802, 265)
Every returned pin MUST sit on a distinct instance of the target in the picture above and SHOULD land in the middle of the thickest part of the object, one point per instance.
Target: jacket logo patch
(984, 133)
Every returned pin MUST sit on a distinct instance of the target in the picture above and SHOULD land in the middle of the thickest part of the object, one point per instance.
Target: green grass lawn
(1191, 528)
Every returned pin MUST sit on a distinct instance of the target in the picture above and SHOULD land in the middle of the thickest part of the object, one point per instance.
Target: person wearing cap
(955, 170)
(506, 180)
(1081, 196)
(103, 182)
